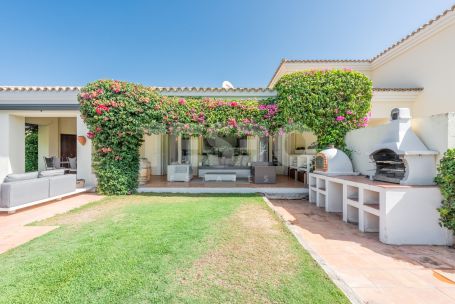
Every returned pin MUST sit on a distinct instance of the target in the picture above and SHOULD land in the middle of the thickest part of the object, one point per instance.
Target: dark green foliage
(116, 113)
(119, 113)
(446, 181)
(329, 102)
(31, 149)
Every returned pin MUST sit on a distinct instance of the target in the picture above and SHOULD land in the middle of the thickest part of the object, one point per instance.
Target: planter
(82, 140)
(144, 171)
(80, 183)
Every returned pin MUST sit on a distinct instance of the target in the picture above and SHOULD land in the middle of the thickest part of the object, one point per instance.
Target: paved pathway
(13, 229)
(373, 271)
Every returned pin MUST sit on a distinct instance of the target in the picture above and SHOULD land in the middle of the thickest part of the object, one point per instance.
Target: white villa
(414, 73)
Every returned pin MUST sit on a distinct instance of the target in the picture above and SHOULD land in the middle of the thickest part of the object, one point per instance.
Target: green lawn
(165, 249)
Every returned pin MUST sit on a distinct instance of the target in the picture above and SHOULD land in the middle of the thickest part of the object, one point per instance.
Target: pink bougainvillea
(340, 118)
(101, 108)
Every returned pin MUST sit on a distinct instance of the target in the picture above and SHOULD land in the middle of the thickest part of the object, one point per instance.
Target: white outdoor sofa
(27, 189)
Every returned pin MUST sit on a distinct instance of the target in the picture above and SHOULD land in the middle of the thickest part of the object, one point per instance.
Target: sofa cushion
(213, 160)
(48, 173)
(24, 191)
(20, 176)
(245, 160)
(62, 184)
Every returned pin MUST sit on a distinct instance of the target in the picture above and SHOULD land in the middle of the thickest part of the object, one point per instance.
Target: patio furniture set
(258, 172)
(69, 164)
(26, 189)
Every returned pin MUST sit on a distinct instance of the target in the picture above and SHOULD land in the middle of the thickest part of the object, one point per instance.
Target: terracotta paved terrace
(373, 271)
(161, 181)
(13, 227)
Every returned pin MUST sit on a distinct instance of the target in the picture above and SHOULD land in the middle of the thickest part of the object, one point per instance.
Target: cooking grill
(402, 157)
(390, 167)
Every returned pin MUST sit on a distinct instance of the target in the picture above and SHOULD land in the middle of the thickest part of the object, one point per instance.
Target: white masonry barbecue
(333, 162)
(401, 157)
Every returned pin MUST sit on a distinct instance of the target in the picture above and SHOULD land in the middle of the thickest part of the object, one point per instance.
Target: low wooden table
(220, 176)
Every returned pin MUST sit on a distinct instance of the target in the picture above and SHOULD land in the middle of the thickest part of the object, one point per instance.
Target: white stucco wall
(49, 131)
(48, 141)
(12, 147)
(361, 142)
(67, 125)
(151, 149)
(437, 132)
(429, 64)
(84, 155)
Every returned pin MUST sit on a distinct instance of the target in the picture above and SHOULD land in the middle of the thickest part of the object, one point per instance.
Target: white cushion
(48, 173)
(245, 160)
(213, 160)
(20, 176)
(238, 161)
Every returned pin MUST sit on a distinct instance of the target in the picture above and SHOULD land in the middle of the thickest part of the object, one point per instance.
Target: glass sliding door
(224, 151)
(263, 149)
(186, 149)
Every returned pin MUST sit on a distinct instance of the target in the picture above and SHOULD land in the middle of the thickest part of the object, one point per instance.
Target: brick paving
(374, 272)
(13, 227)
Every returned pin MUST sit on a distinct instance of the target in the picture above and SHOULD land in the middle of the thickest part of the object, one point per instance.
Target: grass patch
(165, 249)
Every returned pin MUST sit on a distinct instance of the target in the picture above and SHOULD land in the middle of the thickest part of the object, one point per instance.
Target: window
(222, 151)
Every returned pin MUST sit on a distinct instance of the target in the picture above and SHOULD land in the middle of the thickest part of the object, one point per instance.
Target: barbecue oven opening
(390, 167)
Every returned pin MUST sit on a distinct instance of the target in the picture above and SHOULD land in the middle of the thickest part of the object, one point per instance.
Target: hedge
(446, 181)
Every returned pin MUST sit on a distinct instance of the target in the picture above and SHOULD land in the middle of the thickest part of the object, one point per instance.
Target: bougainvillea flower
(101, 108)
(232, 122)
(182, 101)
(116, 87)
(90, 135)
(340, 118)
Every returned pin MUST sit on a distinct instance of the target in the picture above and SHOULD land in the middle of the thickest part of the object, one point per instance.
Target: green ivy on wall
(446, 181)
(31, 148)
(329, 102)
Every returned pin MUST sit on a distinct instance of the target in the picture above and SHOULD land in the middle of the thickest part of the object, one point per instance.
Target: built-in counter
(401, 214)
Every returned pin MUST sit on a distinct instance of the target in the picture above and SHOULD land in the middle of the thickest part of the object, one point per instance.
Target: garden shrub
(446, 181)
(115, 113)
(209, 117)
(118, 114)
(31, 149)
(329, 102)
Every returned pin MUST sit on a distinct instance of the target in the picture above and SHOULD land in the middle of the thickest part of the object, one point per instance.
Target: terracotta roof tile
(161, 89)
(326, 60)
(38, 88)
(397, 89)
(199, 89)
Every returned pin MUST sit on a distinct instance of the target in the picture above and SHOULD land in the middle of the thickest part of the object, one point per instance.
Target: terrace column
(12, 144)
(84, 155)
